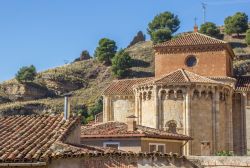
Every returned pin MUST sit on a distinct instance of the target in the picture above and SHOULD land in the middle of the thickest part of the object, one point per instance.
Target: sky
(49, 33)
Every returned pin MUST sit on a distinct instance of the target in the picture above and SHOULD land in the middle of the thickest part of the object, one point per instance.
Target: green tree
(237, 23)
(161, 35)
(105, 51)
(97, 108)
(26, 73)
(248, 37)
(84, 56)
(121, 63)
(163, 26)
(138, 38)
(210, 29)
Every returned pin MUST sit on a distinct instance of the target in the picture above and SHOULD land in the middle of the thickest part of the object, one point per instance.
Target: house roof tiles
(123, 87)
(243, 84)
(119, 129)
(33, 138)
(191, 39)
(181, 76)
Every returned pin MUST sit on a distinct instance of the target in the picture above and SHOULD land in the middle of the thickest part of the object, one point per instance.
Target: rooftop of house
(181, 76)
(123, 87)
(243, 84)
(36, 138)
(120, 130)
(191, 39)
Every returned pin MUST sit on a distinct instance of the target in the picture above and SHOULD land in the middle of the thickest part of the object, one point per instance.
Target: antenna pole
(204, 7)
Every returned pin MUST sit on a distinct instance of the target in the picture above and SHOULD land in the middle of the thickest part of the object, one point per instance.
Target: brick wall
(206, 64)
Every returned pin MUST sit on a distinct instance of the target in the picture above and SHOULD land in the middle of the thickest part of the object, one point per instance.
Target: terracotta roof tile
(181, 76)
(123, 87)
(30, 138)
(119, 129)
(191, 39)
(243, 84)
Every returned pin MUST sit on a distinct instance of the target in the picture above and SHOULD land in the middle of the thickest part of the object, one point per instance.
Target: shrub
(163, 27)
(210, 29)
(26, 73)
(121, 63)
(84, 56)
(224, 153)
(138, 38)
(105, 51)
(248, 37)
(237, 23)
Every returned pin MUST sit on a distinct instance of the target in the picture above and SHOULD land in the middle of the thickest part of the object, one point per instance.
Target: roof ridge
(185, 75)
(190, 40)
(211, 37)
(165, 75)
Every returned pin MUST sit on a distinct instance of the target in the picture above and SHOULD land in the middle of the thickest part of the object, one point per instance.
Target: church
(194, 92)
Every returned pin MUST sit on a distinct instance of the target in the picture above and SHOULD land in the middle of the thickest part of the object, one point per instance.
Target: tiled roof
(243, 84)
(182, 76)
(191, 39)
(123, 87)
(119, 129)
(32, 138)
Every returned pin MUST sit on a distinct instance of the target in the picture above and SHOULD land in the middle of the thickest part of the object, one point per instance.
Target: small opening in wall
(179, 94)
(171, 94)
(191, 60)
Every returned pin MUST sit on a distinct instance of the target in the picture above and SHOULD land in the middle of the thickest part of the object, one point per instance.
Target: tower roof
(191, 39)
(181, 76)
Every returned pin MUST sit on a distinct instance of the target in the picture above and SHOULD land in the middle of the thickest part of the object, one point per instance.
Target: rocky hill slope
(86, 80)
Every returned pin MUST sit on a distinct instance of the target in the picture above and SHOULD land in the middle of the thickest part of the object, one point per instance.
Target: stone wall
(201, 123)
(122, 107)
(166, 63)
(172, 110)
(148, 117)
(238, 127)
(220, 161)
(121, 162)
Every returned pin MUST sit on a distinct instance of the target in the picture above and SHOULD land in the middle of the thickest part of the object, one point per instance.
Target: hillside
(86, 79)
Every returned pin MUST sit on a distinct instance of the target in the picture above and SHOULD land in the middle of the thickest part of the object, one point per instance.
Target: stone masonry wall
(220, 161)
(122, 108)
(148, 110)
(201, 123)
(173, 110)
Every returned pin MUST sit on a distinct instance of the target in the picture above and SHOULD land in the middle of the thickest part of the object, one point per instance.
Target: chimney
(196, 29)
(131, 122)
(66, 115)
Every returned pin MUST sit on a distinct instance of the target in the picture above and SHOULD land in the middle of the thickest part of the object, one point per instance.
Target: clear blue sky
(48, 32)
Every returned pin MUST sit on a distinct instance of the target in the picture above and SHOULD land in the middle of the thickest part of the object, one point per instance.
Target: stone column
(215, 119)
(230, 121)
(137, 113)
(156, 103)
(187, 121)
(106, 108)
(247, 128)
(243, 123)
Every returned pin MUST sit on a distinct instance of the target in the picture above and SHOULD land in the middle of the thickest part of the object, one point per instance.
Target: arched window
(144, 96)
(171, 94)
(203, 94)
(196, 94)
(179, 94)
(163, 95)
(171, 126)
(149, 95)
